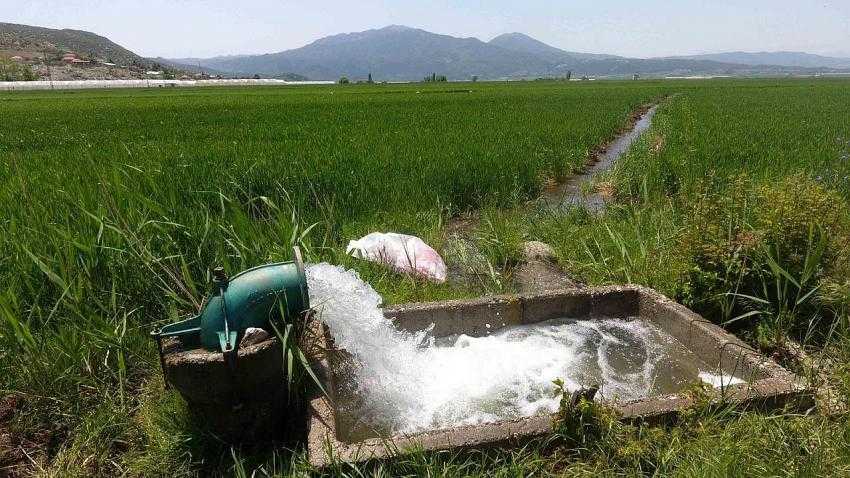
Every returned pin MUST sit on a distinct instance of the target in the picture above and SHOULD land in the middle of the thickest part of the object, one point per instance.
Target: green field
(116, 204)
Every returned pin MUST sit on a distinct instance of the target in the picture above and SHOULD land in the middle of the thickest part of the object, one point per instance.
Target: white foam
(405, 382)
(719, 380)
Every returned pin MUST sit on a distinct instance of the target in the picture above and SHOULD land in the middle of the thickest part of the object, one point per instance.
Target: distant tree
(12, 71)
(474, 78)
(4, 70)
(569, 75)
(343, 80)
(28, 74)
(256, 76)
(435, 78)
(370, 78)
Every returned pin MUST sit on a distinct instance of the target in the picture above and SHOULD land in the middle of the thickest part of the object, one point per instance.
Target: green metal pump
(248, 299)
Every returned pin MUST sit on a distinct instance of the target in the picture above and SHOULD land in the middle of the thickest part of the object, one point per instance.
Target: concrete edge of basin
(774, 388)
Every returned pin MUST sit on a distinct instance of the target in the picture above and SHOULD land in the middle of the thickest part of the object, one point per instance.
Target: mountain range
(400, 53)
(781, 58)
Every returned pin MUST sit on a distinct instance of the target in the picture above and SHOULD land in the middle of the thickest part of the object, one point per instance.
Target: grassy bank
(117, 204)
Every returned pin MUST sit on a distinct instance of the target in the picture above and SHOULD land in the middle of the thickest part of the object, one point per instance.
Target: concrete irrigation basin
(767, 384)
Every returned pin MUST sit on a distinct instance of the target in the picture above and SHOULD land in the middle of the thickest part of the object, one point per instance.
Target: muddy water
(569, 193)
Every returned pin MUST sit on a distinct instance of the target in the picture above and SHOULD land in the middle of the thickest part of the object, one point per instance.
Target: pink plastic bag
(402, 252)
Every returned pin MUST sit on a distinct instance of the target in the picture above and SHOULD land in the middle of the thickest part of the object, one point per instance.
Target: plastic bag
(402, 252)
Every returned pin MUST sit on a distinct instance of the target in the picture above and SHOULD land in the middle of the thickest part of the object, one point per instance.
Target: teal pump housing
(248, 299)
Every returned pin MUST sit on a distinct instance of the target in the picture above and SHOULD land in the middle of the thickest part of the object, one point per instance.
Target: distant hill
(39, 40)
(192, 65)
(523, 43)
(402, 53)
(391, 53)
(562, 61)
(779, 58)
(36, 43)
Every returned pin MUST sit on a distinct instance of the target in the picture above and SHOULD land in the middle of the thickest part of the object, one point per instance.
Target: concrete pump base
(247, 404)
(768, 385)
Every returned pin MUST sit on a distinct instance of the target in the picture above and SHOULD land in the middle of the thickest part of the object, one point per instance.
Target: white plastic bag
(402, 252)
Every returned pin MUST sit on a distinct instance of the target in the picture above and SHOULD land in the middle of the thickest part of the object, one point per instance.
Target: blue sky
(181, 28)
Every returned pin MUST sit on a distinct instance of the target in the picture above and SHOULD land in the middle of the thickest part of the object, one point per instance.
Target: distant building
(69, 57)
(17, 58)
(153, 73)
(77, 61)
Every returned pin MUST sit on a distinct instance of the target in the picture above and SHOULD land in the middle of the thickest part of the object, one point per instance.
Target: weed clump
(580, 421)
(595, 434)
(761, 253)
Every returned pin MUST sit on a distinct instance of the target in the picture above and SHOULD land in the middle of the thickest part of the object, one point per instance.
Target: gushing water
(400, 382)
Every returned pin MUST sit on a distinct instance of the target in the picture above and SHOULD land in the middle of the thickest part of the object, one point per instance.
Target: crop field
(117, 204)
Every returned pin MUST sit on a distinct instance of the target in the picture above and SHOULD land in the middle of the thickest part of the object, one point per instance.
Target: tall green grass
(115, 205)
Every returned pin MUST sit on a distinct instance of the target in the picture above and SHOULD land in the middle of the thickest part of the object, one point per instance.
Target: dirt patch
(23, 453)
(657, 144)
(13, 457)
(463, 224)
(606, 190)
(538, 276)
(539, 270)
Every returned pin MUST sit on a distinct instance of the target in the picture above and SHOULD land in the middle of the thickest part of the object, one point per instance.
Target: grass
(116, 204)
